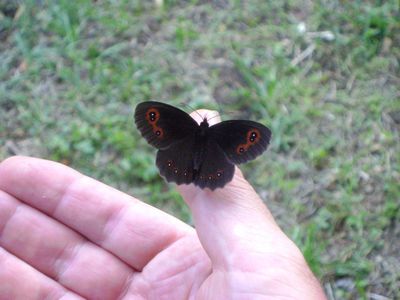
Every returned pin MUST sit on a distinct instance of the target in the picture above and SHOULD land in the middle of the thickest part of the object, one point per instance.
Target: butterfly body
(198, 153)
(199, 149)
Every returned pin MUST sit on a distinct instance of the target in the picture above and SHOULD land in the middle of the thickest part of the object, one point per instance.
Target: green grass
(73, 71)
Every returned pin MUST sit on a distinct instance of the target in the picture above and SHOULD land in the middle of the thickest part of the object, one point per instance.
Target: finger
(229, 219)
(59, 252)
(20, 281)
(130, 229)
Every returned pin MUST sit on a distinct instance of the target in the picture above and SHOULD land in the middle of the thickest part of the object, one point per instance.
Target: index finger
(130, 229)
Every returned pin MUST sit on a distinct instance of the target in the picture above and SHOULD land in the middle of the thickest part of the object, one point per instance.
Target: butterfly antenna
(215, 116)
(224, 112)
(218, 112)
(194, 110)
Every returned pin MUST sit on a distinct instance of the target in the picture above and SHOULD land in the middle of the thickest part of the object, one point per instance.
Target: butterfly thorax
(204, 127)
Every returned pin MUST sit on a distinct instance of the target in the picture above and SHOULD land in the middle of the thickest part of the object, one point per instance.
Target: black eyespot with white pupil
(152, 116)
(241, 149)
(158, 132)
(253, 136)
(169, 163)
(219, 174)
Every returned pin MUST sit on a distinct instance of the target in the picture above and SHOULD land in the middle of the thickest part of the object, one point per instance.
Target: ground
(323, 75)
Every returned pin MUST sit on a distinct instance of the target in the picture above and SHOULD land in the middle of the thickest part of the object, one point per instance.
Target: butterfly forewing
(241, 140)
(163, 125)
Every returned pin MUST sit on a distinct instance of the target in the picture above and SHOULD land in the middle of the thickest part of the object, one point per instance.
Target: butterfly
(201, 154)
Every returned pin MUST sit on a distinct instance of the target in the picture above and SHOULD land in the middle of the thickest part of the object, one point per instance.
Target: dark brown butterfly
(200, 154)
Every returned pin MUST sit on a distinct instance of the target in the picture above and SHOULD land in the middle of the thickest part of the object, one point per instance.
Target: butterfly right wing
(163, 125)
(216, 170)
(241, 140)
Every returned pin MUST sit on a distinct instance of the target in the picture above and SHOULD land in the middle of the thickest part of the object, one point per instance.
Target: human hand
(64, 235)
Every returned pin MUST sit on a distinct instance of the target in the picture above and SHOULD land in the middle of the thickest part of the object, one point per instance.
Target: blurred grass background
(323, 75)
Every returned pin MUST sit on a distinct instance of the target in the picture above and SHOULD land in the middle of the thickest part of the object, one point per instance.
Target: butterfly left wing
(176, 162)
(163, 125)
(241, 140)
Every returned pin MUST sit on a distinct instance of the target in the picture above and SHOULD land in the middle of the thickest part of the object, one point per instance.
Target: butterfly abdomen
(199, 151)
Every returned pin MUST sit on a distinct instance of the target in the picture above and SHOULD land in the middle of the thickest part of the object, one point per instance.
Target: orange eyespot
(158, 131)
(242, 148)
(253, 137)
(152, 117)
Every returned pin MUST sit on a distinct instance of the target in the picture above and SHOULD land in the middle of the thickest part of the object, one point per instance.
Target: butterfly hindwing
(176, 165)
(216, 170)
(176, 162)
(163, 125)
(241, 140)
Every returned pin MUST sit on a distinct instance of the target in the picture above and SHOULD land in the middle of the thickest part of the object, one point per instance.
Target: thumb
(240, 236)
(230, 217)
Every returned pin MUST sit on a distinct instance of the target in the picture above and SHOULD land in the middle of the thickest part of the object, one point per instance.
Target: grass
(73, 71)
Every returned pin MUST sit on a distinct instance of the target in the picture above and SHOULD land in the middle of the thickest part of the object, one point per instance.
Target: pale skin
(64, 235)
